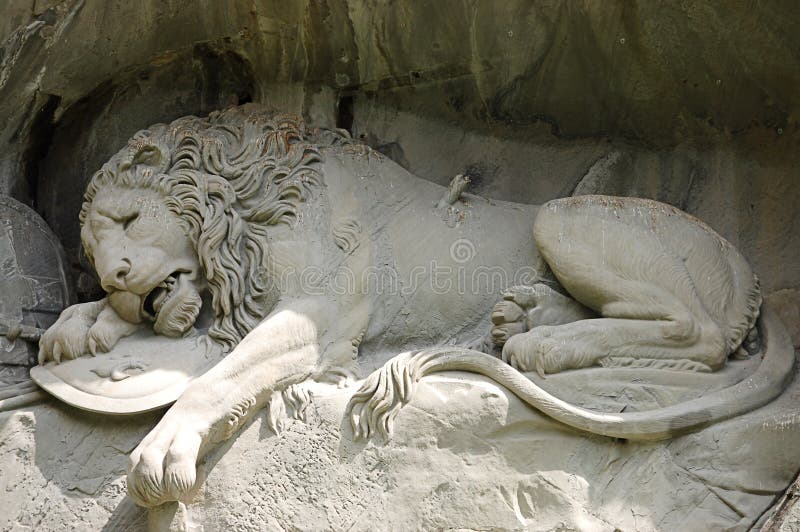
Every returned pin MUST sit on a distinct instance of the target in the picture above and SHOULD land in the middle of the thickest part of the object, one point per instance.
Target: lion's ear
(145, 149)
(149, 155)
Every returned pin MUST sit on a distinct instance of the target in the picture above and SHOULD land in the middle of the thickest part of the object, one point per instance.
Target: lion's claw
(552, 349)
(85, 328)
(531, 352)
(525, 308)
(67, 338)
(164, 466)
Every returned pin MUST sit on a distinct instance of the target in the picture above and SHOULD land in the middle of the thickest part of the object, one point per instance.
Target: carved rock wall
(466, 454)
(696, 104)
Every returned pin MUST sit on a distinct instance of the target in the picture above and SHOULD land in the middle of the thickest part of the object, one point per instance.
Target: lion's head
(187, 205)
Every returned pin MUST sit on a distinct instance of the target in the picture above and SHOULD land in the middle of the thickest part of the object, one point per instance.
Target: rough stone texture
(700, 100)
(34, 287)
(787, 304)
(695, 104)
(785, 515)
(64, 468)
(532, 474)
(518, 469)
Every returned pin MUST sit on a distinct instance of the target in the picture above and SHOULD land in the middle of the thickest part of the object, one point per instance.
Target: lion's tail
(373, 408)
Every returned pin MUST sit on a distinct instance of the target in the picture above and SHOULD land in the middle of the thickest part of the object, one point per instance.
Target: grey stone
(535, 96)
(693, 104)
(34, 287)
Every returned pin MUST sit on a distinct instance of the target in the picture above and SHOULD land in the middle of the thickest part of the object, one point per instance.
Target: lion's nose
(114, 279)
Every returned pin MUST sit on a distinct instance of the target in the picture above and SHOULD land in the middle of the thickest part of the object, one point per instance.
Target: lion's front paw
(68, 337)
(163, 467)
(524, 308)
(108, 330)
(508, 319)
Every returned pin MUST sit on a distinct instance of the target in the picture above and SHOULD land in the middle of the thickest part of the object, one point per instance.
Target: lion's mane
(228, 177)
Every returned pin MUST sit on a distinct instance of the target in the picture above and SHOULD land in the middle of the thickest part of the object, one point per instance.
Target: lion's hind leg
(645, 297)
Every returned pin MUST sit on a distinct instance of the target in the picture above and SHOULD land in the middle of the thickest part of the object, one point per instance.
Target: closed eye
(128, 220)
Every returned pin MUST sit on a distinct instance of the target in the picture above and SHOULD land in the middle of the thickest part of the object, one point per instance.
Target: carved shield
(142, 372)
(34, 285)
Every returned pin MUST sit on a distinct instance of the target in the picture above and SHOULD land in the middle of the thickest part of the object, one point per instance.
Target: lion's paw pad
(534, 351)
(511, 315)
(508, 319)
(163, 467)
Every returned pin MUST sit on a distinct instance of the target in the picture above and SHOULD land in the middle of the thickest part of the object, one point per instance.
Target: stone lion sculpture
(268, 235)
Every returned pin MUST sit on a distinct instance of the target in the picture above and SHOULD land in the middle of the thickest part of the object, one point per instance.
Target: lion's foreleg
(281, 351)
(233, 399)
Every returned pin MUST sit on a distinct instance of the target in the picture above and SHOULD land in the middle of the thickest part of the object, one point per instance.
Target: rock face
(693, 104)
(64, 469)
(34, 288)
(494, 463)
